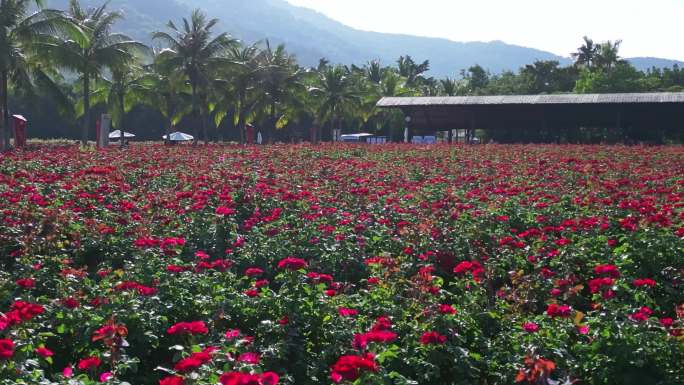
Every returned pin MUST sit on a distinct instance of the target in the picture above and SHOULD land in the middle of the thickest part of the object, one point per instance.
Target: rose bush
(342, 264)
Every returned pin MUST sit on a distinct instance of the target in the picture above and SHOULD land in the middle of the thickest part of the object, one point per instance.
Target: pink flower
(345, 312)
(68, 371)
(249, 358)
(583, 329)
(225, 211)
(232, 334)
(531, 327)
(106, 376)
(202, 255)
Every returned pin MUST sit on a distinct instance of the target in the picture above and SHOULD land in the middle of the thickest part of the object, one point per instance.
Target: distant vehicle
(179, 137)
(363, 138)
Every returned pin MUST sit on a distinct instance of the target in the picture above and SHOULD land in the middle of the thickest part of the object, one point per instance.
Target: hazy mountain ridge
(312, 35)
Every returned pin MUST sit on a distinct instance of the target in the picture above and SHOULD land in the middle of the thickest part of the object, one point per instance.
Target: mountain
(311, 35)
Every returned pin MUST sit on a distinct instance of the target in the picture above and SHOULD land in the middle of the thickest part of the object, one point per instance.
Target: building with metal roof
(633, 115)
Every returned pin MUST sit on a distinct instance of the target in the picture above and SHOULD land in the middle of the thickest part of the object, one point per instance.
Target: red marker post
(20, 124)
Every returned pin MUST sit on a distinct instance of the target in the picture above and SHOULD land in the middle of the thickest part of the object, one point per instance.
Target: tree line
(68, 64)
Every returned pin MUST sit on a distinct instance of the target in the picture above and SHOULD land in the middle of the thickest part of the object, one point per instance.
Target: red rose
(26, 283)
(609, 270)
(362, 340)
(554, 310)
(432, 338)
(447, 309)
(188, 364)
(254, 272)
(292, 263)
(6, 349)
(89, 363)
(351, 367)
(171, 380)
(239, 378)
(196, 327)
(44, 352)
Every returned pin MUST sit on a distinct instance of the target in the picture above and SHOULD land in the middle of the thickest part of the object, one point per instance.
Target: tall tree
(608, 55)
(127, 88)
(586, 54)
(100, 50)
(411, 70)
(448, 87)
(237, 85)
(337, 96)
(281, 84)
(477, 79)
(197, 54)
(167, 91)
(19, 34)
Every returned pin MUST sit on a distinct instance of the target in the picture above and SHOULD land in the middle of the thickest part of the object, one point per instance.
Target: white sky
(647, 28)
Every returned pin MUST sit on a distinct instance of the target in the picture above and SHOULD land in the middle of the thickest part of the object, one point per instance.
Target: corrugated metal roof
(640, 98)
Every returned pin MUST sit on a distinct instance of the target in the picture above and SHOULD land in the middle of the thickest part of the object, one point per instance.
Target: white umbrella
(179, 137)
(117, 134)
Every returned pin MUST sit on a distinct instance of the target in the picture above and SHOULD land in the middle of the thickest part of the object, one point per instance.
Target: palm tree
(374, 72)
(165, 89)
(197, 54)
(127, 88)
(337, 96)
(237, 85)
(448, 87)
(101, 50)
(281, 84)
(19, 33)
(411, 71)
(607, 56)
(586, 54)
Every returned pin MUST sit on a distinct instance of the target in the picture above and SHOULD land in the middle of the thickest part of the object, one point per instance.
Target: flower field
(342, 264)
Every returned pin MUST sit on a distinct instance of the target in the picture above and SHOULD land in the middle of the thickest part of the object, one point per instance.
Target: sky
(647, 28)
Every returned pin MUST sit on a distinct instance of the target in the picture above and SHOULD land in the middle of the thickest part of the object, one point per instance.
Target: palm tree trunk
(241, 127)
(86, 108)
(123, 118)
(4, 113)
(167, 129)
(203, 122)
(194, 113)
(274, 122)
(169, 123)
(241, 119)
